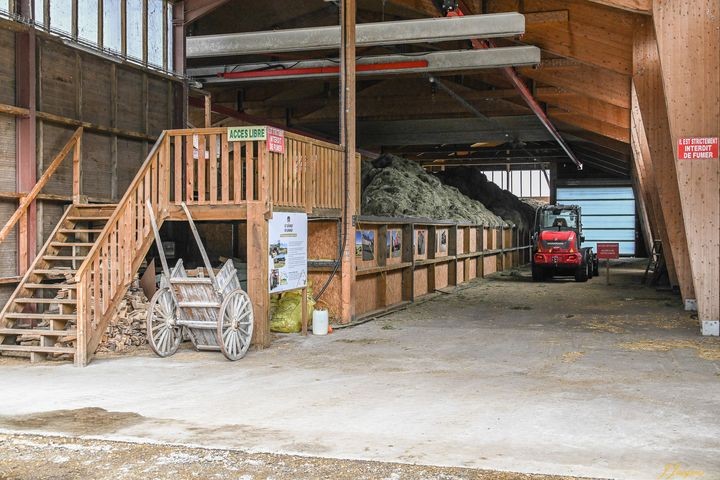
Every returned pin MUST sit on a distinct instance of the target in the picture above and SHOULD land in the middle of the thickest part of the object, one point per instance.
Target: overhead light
(478, 144)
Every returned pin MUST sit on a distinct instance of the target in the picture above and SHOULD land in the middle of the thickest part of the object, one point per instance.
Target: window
(39, 12)
(112, 30)
(5, 5)
(147, 36)
(155, 32)
(522, 183)
(134, 32)
(61, 15)
(88, 20)
(169, 37)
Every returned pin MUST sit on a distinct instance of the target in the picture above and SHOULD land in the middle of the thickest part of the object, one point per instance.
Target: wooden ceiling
(583, 80)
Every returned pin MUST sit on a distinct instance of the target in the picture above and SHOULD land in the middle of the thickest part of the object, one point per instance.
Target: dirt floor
(554, 378)
(42, 457)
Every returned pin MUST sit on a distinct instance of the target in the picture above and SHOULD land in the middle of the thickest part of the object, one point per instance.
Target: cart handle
(200, 245)
(158, 240)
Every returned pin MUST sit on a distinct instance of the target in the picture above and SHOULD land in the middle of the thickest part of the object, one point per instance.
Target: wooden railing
(210, 170)
(21, 214)
(108, 269)
(201, 168)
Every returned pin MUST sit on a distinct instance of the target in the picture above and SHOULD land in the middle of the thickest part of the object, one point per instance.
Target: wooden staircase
(40, 318)
(70, 293)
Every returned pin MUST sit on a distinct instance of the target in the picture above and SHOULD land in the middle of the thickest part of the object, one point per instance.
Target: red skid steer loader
(557, 245)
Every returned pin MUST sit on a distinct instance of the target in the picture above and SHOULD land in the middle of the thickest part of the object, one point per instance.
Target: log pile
(127, 328)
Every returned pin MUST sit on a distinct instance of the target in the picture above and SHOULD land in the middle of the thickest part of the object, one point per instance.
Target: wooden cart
(214, 311)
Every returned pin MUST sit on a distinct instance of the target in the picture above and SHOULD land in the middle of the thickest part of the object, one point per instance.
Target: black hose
(343, 134)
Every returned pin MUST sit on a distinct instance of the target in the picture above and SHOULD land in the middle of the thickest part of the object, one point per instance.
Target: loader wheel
(596, 268)
(581, 274)
(537, 274)
(590, 270)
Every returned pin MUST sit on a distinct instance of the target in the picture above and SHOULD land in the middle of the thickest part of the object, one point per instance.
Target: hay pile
(473, 183)
(396, 187)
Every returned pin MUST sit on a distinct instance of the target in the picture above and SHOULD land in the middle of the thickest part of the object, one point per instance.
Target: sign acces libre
(274, 137)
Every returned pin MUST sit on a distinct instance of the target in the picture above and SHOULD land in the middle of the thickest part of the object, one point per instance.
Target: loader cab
(558, 217)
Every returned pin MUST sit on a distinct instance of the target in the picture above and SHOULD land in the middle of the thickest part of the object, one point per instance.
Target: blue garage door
(608, 214)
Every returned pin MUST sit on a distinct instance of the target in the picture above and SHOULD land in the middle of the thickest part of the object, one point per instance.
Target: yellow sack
(287, 315)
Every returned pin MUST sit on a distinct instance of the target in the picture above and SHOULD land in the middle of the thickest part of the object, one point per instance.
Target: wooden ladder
(40, 317)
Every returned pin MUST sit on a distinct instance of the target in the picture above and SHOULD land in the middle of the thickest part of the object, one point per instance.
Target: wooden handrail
(27, 200)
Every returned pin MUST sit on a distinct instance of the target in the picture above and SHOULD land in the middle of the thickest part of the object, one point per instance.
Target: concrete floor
(555, 378)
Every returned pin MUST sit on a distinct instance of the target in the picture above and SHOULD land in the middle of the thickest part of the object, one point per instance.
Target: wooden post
(208, 110)
(257, 253)
(641, 155)
(688, 43)
(347, 139)
(304, 317)
(408, 256)
(27, 96)
(607, 271)
(648, 83)
(77, 171)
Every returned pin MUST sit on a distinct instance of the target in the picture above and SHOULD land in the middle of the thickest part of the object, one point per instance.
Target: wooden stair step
(49, 286)
(199, 304)
(88, 218)
(36, 348)
(71, 244)
(80, 230)
(64, 301)
(53, 271)
(45, 316)
(43, 332)
(63, 257)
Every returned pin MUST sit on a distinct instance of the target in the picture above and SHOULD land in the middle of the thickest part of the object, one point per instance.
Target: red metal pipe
(372, 67)
(525, 93)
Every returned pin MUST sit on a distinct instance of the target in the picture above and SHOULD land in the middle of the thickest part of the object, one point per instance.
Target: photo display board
(287, 262)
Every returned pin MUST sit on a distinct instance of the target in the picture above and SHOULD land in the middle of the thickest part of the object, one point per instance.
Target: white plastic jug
(320, 322)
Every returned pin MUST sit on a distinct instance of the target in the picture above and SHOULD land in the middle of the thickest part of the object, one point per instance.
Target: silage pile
(473, 183)
(396, 187)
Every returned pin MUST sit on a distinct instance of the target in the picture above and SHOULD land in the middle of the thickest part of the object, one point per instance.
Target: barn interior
(152, 148)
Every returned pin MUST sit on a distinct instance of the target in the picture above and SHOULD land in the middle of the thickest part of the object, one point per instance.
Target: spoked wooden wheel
(163, 333)
(235, 325)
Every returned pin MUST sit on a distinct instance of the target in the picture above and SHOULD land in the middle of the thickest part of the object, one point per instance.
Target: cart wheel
(163, 333)
(235, 325)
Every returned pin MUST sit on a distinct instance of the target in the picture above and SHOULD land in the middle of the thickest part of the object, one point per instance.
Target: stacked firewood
(127, 328)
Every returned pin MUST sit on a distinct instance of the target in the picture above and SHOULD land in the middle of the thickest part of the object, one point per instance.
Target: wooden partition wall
(402, 260)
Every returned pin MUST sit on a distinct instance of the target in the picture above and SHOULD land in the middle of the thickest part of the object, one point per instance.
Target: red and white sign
(275, 140)
(608, 251)
(697, 148)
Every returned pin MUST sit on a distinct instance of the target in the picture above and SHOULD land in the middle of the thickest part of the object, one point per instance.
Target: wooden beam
(52, 118)
(576, 103)
(648, 85)
(581, 43)
(604, 85)
(688, 43)
(646, 174)
(543, 18)
(13, 110)
(592, 124)
(636, 6)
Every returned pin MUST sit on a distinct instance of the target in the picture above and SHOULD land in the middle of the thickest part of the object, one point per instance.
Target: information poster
(288, 251)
